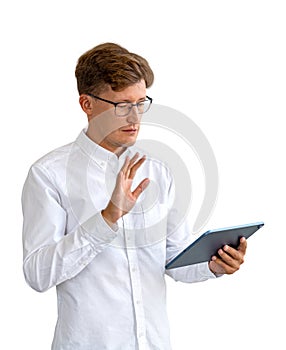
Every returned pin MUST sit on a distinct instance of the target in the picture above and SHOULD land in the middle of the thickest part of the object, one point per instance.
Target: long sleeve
(52, 256)
(189, 274)
(178, 238)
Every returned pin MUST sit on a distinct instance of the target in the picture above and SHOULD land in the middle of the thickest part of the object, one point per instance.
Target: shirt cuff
(97, 228)
(205, 270)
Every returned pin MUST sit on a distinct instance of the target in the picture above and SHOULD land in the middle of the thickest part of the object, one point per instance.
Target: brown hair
(110, 64)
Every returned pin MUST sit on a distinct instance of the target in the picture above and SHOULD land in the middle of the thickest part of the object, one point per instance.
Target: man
(93, 226)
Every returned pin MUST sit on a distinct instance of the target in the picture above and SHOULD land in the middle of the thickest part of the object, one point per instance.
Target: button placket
(135, 279)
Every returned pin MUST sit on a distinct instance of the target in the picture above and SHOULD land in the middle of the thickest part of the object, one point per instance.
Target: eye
(141, 106)
(123, 105)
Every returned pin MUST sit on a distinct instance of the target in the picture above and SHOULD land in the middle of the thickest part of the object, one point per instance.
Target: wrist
(109, 217)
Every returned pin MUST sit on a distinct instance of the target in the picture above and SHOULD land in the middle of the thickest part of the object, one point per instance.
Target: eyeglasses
(122, 109)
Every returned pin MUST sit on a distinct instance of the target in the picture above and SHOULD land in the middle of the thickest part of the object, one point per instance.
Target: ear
(86, 104)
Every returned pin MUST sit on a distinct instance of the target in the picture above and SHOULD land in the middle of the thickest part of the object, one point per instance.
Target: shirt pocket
(155, 222)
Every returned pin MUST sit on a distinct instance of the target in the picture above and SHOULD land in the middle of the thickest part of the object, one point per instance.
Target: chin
(128, 141)
(128, 144)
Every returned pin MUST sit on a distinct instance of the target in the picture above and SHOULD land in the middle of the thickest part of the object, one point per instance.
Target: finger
(242, 245)
(232, 252)
(125, 165)
(140, 188)
(231, 257)
(128, 163)
(238, 253)
(215, 268)
(135, 167)
(224, 267)
(133, 160)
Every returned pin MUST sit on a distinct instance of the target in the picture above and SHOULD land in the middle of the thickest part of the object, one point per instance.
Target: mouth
(129, 130)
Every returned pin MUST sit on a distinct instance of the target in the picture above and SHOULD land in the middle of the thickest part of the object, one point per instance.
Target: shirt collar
(99, 154)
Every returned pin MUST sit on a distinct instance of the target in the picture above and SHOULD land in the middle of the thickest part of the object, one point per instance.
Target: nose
(134, 117)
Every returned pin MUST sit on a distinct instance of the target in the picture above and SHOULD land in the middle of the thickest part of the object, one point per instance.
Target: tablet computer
(210, 242)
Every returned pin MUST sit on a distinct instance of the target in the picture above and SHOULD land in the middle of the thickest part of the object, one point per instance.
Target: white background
(220, 62)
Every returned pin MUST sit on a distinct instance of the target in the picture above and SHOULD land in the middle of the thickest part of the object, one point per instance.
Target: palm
(123, 198)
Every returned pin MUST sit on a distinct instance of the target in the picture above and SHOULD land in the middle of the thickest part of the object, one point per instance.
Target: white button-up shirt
(110, 280)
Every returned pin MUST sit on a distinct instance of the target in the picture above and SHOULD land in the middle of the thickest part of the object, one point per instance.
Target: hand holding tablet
(209, 243)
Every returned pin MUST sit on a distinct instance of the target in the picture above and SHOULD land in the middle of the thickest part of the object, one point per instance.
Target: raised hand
(123, 199)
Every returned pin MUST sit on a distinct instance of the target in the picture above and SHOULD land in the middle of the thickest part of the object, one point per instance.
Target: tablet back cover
(210, 242)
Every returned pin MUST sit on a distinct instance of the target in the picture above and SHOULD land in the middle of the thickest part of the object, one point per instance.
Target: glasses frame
(115, 104)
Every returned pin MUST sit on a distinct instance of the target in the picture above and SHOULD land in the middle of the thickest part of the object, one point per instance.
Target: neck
(95, 137)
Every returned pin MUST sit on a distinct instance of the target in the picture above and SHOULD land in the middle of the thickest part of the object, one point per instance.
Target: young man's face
(109, 130)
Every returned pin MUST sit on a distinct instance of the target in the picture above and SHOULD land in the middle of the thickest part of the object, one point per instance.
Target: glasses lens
(147, 104)
(143, 106)
(123, 109)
